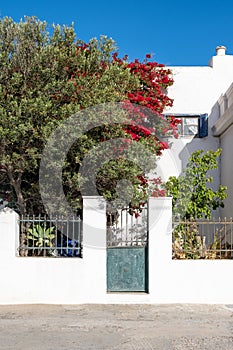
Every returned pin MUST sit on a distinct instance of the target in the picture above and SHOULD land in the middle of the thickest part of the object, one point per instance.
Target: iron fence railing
(203, 239)
(127, 228)
(50, 237)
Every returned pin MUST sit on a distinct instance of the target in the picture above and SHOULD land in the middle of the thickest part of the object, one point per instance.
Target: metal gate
(127, 251)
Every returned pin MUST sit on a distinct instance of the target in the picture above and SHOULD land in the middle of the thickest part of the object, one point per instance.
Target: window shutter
(203, 125)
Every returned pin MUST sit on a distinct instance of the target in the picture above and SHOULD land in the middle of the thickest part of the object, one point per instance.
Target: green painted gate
(127, 252)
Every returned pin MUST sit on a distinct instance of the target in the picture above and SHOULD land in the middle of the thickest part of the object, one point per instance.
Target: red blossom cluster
(149, 94)
(173, 123)
(157, 191)
(154, 79)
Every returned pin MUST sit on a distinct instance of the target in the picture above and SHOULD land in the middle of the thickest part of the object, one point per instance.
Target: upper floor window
(192, 125)
(188, 126)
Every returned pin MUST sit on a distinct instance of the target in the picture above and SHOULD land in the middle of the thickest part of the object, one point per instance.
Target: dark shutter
(203, 125)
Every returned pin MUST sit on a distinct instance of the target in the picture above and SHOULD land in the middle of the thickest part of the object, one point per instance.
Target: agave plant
(41, 236)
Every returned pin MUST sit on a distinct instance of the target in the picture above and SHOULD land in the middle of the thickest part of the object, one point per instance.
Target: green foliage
(194, 199)
(37, 94)
(46, 77)
(32, 70)
(192, 195)
(41, 237)
(187, 243)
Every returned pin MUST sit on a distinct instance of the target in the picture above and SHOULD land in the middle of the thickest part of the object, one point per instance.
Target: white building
(203, 99)
(223, 130)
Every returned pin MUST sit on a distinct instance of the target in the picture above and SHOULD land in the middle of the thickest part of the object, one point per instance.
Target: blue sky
(176, 32)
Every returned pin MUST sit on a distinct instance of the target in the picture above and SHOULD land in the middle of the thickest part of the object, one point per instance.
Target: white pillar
(160, 242)
(94, 246)
(9, 233)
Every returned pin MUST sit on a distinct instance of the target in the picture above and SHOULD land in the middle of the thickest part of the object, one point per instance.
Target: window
(192, 125)
(188, 126)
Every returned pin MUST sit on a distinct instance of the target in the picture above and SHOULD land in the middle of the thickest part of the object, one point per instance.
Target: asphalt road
(116, 327)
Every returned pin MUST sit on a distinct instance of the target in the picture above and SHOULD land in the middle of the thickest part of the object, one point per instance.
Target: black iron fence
(50, 236)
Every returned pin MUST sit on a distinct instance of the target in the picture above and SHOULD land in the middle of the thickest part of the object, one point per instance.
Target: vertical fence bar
(231, 235)
(73, 245)
(128, 233)
(121, 230)
(225, 245)
(131, 231)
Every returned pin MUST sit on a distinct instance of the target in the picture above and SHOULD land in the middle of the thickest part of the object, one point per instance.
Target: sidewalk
(116, 327)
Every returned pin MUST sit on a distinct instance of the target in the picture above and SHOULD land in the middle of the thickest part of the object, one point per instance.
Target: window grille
(50, 237)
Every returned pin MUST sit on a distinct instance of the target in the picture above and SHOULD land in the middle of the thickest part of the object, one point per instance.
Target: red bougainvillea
(154, 80)
(149, 93)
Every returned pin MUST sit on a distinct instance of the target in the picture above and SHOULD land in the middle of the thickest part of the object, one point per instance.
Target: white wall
(196, 90)
(55, 280)
(223, 130)
(179, 281)
(227, 170)
(30, 280)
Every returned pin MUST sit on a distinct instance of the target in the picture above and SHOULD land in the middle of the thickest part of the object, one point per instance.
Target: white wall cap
(222, 62)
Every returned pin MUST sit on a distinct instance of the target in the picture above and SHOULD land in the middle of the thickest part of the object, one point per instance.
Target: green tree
(192, 196)
(44, 79)
(37, 94)
(32, 69)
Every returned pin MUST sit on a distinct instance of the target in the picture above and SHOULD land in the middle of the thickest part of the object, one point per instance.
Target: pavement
(116, 327)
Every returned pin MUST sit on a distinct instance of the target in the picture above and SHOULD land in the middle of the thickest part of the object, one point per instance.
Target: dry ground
(116, 327)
